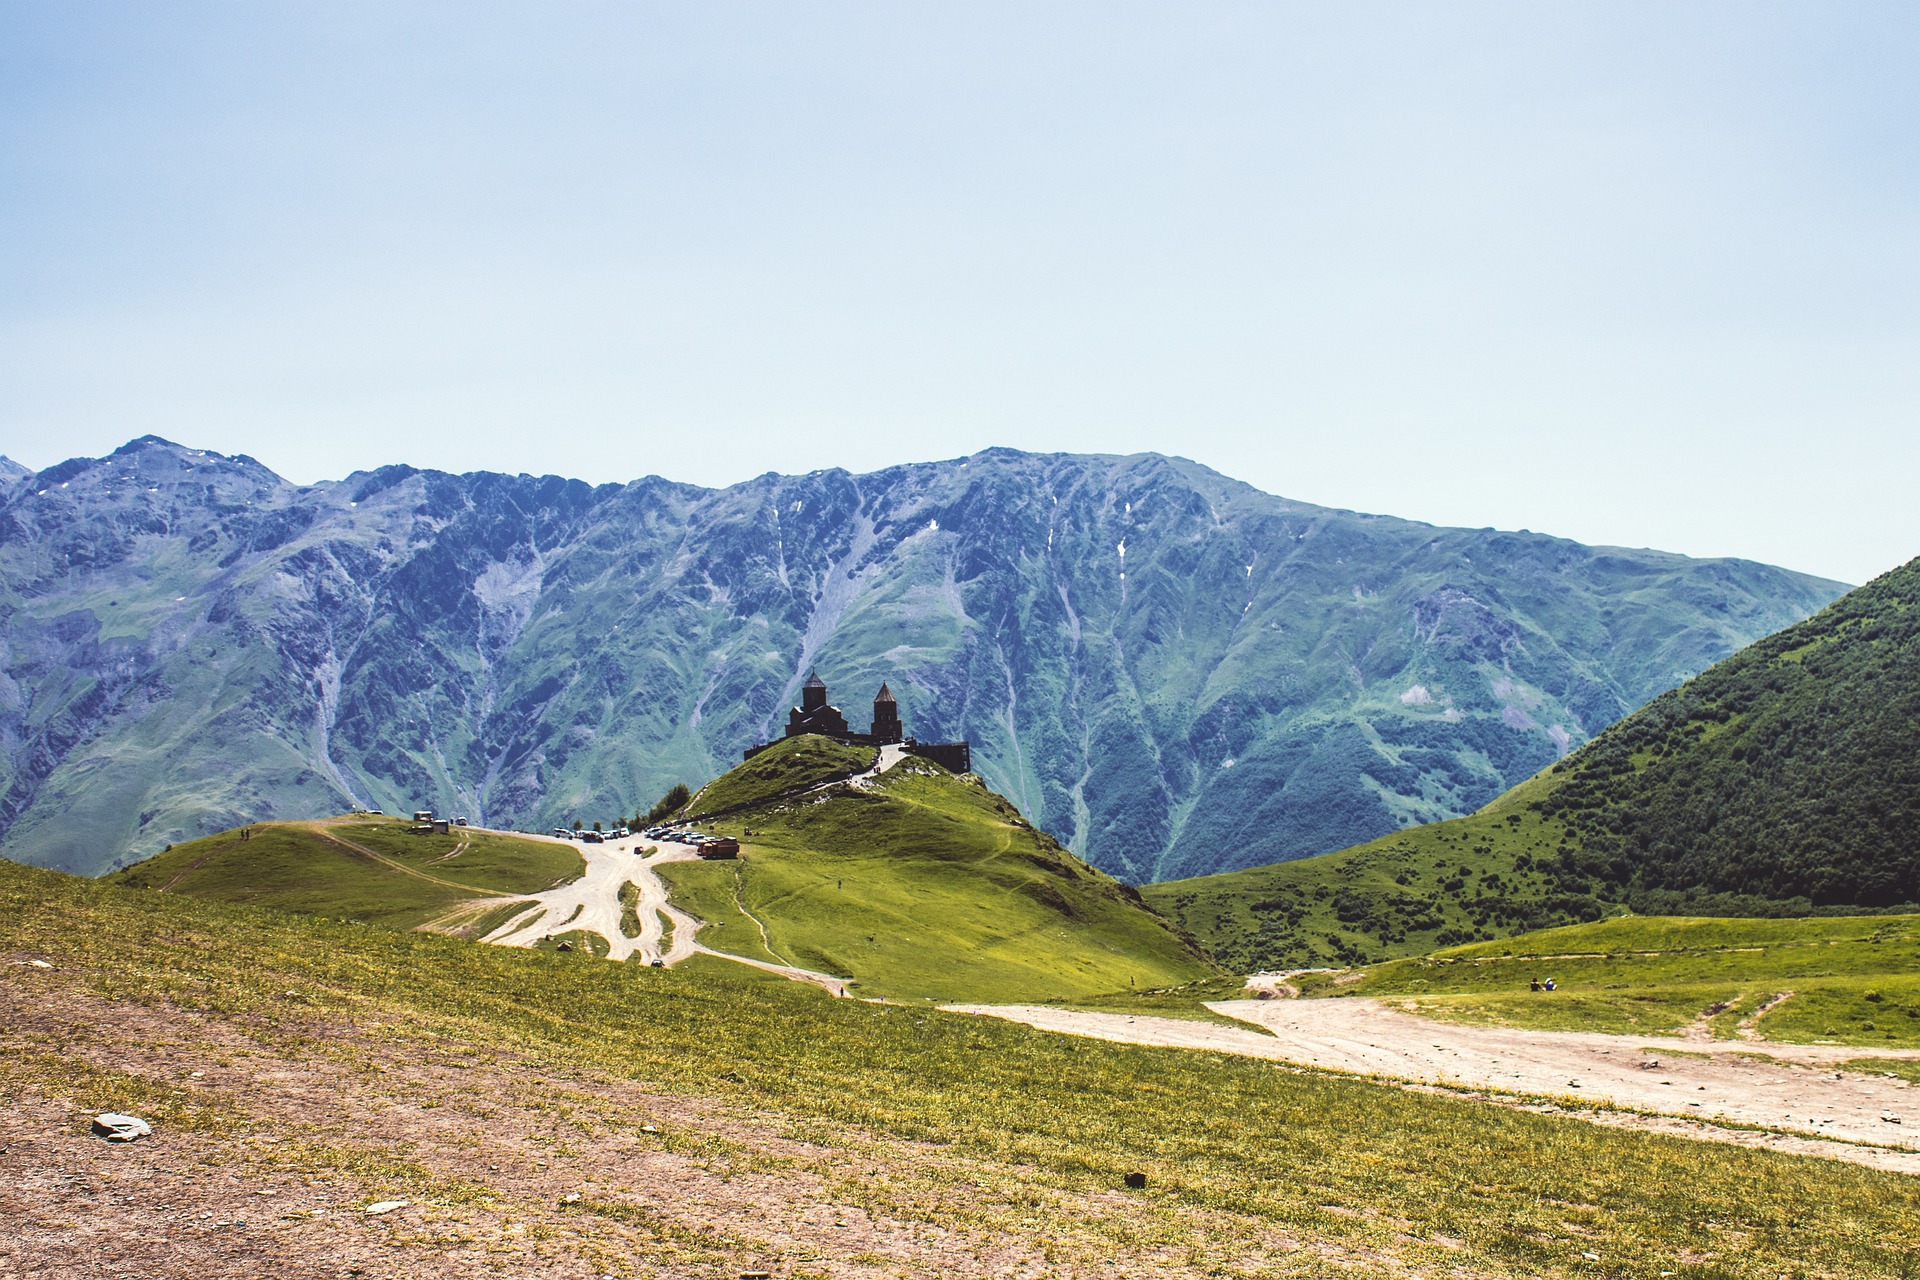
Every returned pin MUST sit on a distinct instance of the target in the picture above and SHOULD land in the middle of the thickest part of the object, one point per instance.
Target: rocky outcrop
(1170, 670)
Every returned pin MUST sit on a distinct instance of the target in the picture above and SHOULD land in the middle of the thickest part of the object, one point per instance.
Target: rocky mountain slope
(1784, 781)
(1172, 671)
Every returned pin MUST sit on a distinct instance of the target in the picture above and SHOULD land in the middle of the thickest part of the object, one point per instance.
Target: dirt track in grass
(1790, 1099)
(592, 903)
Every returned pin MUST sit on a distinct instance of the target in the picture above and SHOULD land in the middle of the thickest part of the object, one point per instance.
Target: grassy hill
(708, 1122)
(1853, 980)
(368, 870)
(1783, 781)
(805, 761)
(1446, 883)
(919, 885)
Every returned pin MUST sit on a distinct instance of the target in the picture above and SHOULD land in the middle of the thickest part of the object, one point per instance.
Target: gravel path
(1792, 1090)
(593, 903)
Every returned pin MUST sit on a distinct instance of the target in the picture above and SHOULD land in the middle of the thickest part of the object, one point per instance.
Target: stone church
(816, 715)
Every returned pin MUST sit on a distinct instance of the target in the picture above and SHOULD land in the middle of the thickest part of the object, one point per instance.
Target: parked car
(459, 822)
(565, 833)
(592, 837)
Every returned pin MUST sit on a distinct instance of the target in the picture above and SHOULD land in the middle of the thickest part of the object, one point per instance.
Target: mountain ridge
(1166, 667)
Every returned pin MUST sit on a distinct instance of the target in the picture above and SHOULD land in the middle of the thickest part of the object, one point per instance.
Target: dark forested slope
(1784, 780)
(1789, 771)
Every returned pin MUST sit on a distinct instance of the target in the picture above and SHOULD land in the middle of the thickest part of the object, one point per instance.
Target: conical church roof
(885, 694)
(814, 681)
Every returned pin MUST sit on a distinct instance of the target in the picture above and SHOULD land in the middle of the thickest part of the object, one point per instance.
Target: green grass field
(710, 891)
(1187, 1001)
(955, 1122)
(372, 870)
(1854, 979)
(1488, 875)
(919, 886)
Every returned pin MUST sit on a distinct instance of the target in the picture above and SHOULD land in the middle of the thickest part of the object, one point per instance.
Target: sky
(1638, 274)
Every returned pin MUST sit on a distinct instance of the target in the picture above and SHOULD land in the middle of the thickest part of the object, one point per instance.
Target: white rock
(386, 1206)
(115, 1127)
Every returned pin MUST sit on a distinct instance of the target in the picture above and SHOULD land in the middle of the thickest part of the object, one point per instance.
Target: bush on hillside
(669, 804)
(1787, 774)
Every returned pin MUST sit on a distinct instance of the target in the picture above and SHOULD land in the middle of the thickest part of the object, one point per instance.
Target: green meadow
(374, 870)
(1250, 1167)
(792, 762)
(1852, 979)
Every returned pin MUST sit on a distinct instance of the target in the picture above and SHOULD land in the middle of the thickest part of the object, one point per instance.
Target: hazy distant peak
(11, 470)
(140, 444)
(152, 460)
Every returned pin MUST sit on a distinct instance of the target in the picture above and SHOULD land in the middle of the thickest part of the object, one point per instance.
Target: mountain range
(1172, 671)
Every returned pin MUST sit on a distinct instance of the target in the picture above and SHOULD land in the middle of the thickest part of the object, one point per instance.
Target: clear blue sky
(1633, 273)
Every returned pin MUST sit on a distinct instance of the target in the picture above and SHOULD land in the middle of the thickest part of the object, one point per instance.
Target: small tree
(675, 800)
(596, 826)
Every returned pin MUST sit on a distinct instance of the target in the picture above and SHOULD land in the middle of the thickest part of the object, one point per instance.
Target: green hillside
(1845, 980)
(1783, 781)
(919, 885)
(369, 870)
(794, 762)
(332, 1066)
(1489, 875)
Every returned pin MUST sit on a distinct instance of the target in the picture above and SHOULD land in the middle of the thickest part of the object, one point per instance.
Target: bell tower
(886, 718)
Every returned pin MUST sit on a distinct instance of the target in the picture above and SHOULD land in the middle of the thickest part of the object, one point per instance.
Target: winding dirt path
(592, 903)
(1790, 1094)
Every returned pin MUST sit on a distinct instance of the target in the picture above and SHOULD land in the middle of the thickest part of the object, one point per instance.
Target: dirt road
(1792, 1093)
(592, 903)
